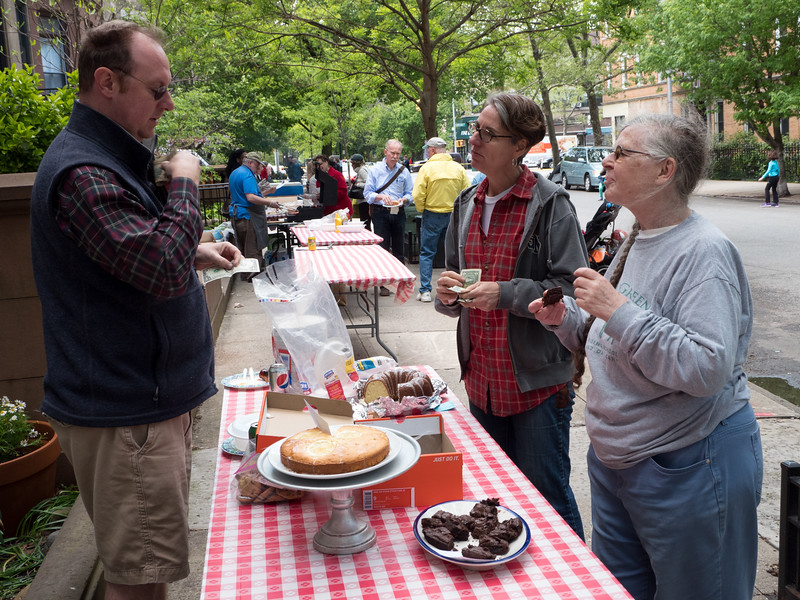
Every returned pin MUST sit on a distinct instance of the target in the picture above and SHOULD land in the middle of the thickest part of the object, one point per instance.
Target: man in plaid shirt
(127, 333)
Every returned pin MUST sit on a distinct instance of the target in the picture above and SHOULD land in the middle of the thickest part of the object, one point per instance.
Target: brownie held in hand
(552, 296)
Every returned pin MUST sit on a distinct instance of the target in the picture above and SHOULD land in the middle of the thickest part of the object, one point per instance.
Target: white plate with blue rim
(462, 507)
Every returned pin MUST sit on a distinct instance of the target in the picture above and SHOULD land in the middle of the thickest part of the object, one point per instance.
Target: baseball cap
(357, 158)
(253, 156)
(436, 142)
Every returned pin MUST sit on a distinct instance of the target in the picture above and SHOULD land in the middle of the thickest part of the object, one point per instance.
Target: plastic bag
(249, 486)
(305, 314)
(328, 222)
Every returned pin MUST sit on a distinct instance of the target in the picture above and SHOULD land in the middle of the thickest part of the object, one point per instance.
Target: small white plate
(240, 383)
(462, 507)
(274, 457)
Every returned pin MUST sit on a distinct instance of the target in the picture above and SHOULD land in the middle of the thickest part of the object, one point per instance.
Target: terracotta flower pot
(29, 479)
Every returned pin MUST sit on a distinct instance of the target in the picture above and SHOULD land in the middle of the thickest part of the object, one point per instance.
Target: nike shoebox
(436, 477)
(283, 415)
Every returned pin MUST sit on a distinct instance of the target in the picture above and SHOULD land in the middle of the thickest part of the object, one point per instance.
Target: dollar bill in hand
(247, 265)
(470, 276)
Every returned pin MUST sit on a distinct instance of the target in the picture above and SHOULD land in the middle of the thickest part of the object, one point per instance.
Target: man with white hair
(388, 190)
(439, 182)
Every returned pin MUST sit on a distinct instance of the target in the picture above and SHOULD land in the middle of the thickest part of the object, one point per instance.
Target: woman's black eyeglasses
(158, 93)
(619, 152)
(485, 135)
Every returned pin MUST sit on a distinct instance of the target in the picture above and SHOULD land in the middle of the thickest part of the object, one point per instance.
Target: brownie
(457, 529)
(552, 296)
(481, 510)
(439, 537)
(483, 526)
(493, 544)
(443, 515)
(508, 530)
(428, 522)
(477, 552)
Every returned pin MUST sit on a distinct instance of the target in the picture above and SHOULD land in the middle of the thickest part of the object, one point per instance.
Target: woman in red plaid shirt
(522, 232)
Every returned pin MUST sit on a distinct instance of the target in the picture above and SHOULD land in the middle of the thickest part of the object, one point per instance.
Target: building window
(21, 10)
(4, 58)
(784, 126)
(719, 128)
(624, 76)
(52, 49)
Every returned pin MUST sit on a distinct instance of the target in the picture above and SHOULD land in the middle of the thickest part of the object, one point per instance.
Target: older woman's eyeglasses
(486, 135)
(619, 152)
(158, 93)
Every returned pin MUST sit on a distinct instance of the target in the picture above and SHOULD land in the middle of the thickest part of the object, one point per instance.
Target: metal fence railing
(749, 161)
(214, 200)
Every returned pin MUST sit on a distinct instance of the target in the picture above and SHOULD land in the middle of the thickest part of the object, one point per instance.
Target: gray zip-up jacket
(552, 248)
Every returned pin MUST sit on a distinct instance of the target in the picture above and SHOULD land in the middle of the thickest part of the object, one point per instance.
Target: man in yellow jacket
(439, 182)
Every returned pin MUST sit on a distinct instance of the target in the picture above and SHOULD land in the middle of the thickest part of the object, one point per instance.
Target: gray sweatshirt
(667, 366)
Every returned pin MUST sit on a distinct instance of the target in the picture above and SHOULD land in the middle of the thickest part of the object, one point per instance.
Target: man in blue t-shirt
(247, 208)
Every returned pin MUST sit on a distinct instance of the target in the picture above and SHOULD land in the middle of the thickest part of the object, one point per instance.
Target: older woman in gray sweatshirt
(675, 461)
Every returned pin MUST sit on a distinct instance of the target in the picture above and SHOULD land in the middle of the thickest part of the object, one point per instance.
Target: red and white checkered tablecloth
(359, 266)
(266, 552)
(334, 238)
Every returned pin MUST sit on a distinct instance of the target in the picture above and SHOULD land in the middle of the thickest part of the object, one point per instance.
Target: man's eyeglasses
(619, 152)
(485, 134)
(158, 93)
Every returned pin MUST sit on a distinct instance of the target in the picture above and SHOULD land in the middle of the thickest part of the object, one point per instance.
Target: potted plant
(28, 453)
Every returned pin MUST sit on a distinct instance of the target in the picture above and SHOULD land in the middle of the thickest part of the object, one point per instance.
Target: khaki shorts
(134, 482)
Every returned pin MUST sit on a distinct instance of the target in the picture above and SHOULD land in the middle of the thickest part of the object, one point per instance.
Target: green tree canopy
(743, 52)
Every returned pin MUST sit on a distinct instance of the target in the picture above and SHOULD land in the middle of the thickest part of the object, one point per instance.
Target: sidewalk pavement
(743, 189)
(420, 335)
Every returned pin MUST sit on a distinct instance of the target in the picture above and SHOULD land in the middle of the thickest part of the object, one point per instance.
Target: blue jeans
(434, 228)
(683, 524)
(392, 228)
(537, 441)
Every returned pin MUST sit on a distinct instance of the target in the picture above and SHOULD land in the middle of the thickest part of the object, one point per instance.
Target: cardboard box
(435, 478)
(289, 417)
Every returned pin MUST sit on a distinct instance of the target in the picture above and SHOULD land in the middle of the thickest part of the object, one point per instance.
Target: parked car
(536, 161)
(546, 163)
(580, 166)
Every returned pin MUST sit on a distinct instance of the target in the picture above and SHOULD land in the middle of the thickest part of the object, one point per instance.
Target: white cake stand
(343, 533)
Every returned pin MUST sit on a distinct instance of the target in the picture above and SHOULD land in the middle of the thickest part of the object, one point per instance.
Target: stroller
(603, 249)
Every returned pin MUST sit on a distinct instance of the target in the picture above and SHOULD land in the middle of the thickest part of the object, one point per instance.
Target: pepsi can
(278, 377)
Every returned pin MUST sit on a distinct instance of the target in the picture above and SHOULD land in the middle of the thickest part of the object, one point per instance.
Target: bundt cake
(397, 383)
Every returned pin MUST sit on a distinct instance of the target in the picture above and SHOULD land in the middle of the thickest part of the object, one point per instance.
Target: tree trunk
(427, 104)
(783, 185)
(546, 106)
(594, 114)
(775, 141)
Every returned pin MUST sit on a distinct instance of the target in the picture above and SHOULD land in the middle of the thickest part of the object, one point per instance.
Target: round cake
(397, 383)
(350, 448)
